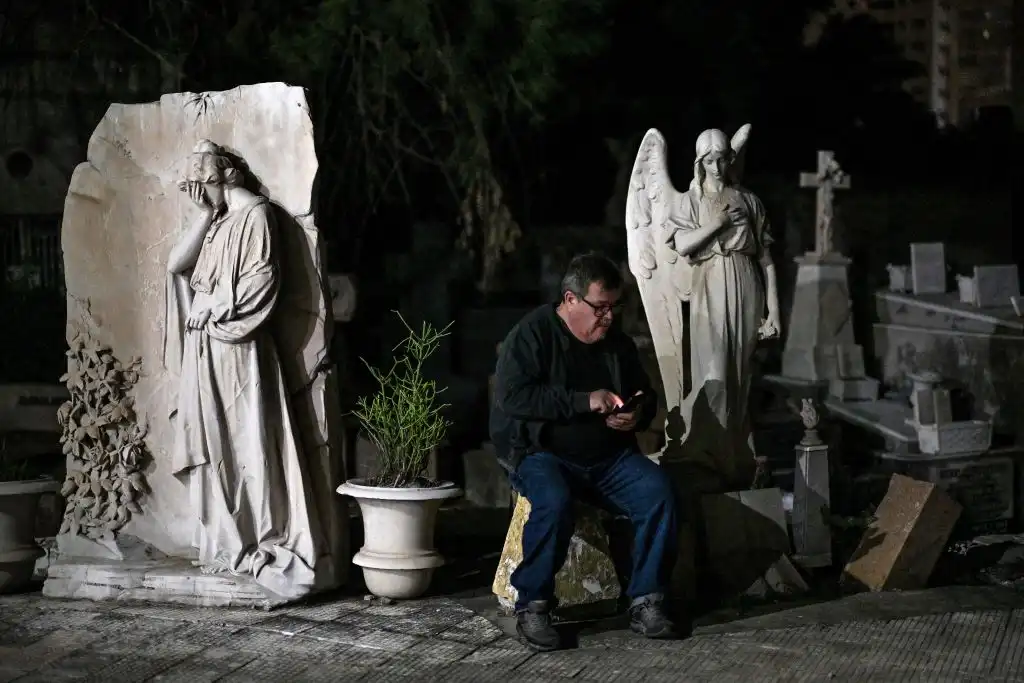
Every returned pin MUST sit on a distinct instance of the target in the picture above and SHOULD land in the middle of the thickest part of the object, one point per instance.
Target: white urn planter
(19, 503)
(398, 556)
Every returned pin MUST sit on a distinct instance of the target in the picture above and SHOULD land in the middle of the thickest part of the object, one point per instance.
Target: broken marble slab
(901, 545)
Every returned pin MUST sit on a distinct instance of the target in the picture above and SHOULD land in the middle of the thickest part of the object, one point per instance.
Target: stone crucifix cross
(829, 177)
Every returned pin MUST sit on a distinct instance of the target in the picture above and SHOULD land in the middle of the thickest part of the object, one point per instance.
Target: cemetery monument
(820, 345)
(204, 455)
(709, 246)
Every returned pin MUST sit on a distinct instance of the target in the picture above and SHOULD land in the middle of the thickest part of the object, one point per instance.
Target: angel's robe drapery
(727, 304)
(235, 441)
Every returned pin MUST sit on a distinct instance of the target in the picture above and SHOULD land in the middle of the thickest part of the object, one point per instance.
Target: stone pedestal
(812, 540)
(588, 575)
(128, 568)
(820, 344)
(170, 580)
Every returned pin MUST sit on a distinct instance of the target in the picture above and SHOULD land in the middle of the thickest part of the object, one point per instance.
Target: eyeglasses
(601, 310)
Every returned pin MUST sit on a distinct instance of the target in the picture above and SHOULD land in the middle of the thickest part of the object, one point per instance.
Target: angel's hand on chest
(737, 216)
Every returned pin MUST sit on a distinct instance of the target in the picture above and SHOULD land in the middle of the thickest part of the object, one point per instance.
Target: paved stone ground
(438, 639)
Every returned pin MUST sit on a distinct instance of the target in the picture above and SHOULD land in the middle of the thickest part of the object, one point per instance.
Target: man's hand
(624, 422)
(603, 401)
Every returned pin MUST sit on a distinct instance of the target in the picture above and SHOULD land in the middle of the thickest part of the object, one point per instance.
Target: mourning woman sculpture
(236, 445)
(708, 246)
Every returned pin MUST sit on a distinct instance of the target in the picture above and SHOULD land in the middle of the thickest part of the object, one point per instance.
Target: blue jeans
(629, 483)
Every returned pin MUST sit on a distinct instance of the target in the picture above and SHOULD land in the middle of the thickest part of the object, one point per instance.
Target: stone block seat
(596, 566)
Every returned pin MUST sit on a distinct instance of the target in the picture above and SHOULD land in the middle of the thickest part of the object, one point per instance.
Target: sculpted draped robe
(726, 307)
(236, 445)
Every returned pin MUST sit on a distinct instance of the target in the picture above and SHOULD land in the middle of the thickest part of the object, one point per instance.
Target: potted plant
(399, 504)
(19, 503)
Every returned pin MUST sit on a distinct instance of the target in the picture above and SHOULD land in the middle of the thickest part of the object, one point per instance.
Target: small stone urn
(809, 416)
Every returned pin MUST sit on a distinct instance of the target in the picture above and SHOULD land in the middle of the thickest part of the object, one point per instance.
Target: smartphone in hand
(630, 405)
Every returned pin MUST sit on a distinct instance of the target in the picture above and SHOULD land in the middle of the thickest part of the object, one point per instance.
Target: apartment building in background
(965, 47)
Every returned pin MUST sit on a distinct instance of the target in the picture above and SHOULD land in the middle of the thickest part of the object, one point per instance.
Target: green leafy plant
(403, 418)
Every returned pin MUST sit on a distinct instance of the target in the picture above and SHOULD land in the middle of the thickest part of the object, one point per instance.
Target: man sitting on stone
(570, 393)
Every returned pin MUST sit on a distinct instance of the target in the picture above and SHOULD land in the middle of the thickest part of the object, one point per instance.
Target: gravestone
(965, 287)
(983, 485)
(125, 211)
(995, 286)
(900, 547)
(820, 345)
(978, 349)
(928, 267)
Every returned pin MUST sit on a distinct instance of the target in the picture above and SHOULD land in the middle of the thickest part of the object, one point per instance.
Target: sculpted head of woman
(209, 166)
(714, 157)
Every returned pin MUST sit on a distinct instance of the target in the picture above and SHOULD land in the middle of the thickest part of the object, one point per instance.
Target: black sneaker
(533, 625)
(647, 617)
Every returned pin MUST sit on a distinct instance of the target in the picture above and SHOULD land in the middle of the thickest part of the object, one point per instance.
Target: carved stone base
(170, 580)
(820, 343)
(824, 362)
(118, 549)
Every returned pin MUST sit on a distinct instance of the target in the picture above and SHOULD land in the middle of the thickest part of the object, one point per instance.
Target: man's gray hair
(586, 269)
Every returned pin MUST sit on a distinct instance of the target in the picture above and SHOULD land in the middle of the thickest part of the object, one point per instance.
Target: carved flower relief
(102, 440)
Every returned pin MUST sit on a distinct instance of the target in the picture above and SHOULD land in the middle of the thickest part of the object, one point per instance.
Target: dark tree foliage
(492, 115)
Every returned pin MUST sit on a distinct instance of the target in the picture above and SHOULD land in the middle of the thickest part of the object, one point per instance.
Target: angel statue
(707, 246)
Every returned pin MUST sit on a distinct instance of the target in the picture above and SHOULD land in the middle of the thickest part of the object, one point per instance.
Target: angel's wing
(644, 192)
(649, 201)
(662, 277)
(739, 148)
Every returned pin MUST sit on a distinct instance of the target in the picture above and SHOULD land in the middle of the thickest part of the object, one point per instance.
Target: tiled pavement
(439, 640)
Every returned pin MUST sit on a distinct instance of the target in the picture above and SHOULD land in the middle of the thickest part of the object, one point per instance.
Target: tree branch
(156, 54)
